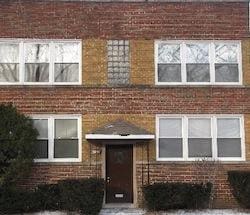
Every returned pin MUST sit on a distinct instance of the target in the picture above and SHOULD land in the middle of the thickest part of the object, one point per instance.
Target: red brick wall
(189, 172)
(51, 173)
(40, 19)
(135, 100)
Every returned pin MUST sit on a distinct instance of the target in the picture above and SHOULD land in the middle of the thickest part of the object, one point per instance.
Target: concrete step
(122, 211)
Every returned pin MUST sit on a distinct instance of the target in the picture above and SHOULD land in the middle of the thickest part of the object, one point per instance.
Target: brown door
(119, 174)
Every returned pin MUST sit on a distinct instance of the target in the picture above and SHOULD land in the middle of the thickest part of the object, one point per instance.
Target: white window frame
(51, 130)
(51, 56)
(213, 134)
(211, 61)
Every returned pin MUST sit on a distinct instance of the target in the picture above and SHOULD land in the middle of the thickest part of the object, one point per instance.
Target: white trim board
(118, 137)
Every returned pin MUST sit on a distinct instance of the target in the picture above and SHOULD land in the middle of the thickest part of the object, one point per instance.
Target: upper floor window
(40, 62)
(200, 136)
(59, 138)
(118, 62)
(192, 62)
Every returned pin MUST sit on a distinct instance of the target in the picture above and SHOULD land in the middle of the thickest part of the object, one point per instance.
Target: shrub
(240, 183)
(48, 196)
(164, 196)
(13, 200)
(84, 196)
(17, 138)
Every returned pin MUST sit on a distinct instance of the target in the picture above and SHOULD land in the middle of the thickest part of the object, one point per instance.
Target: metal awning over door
(119, 130)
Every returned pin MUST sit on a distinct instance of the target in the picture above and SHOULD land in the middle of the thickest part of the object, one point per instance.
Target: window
(40, 62)
(203, 62)
(59, 138)
(118, 62)
(9, 62)
(183, 138)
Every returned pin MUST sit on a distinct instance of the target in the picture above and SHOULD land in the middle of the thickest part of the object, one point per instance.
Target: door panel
(119, 174)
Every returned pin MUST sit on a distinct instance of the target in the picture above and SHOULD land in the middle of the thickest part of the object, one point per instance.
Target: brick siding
(141, 24)
(39, 19)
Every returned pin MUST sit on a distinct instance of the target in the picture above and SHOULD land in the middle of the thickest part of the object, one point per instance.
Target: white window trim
(51, 122)
(213, 118)
(51, 43)
(211, 61)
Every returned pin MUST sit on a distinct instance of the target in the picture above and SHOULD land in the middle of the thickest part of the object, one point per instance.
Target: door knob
(108, 179)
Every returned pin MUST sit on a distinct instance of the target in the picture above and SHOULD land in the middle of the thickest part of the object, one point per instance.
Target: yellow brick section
(247, 135)
(142, 62)
(94, 62)
(91, 122)
(246, 61)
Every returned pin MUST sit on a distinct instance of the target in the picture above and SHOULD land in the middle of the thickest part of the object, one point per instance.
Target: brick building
(135, 92)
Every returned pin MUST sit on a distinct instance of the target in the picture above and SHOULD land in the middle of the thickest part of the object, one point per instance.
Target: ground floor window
(191, 137)
(59, 138)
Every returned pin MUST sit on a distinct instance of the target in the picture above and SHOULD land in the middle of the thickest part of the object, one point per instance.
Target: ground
(122, 211)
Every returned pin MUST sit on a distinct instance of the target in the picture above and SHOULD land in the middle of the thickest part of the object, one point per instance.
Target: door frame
(134, 181)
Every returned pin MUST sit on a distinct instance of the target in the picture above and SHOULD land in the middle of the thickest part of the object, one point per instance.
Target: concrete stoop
(122, 211)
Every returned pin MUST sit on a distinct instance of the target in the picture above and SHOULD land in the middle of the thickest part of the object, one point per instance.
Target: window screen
(9, 62)
(228, 137)
(36, 62)
(66, 138)
(199, 137)
(197, 66)
(41, 146)
(169, 63)
(170, 141)
(66, 62)
(226, 66)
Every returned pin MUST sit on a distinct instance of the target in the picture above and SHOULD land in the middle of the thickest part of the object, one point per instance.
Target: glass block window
(197, 137)
(9, 62)
(59, 138)
(203, 62)
(118, 62)
(40, 62)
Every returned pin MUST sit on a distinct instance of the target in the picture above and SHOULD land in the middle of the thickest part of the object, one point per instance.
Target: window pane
(65, 128)
(199, 147)
(229, 128)
(197, 53)
(65, 72)
(226, 53)
(42, 127)
(9, 72)
(170, 148)
(198, 73)
(9, 53)
(226, 73)
(66, 148)
(168, 53)
(67, 52)
(41, 149)
(199, 128)
(170, 127)
(36, 53)
(229, 147)
(36, 72)
(169, 72)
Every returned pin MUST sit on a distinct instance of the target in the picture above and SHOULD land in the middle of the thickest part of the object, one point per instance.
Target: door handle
(108, 179)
